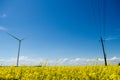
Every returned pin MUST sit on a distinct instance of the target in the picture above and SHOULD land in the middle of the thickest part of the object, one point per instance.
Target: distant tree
(119, 64)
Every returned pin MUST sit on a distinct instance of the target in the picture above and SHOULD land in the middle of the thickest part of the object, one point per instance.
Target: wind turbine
(20, 40)
(102, 13)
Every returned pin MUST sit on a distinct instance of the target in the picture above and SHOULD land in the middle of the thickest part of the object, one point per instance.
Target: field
(60, 73)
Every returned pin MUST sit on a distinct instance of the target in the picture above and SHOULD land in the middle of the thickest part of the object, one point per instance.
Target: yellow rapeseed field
(60, 73)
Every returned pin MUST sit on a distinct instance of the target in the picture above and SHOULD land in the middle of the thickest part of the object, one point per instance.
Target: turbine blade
(13, 36)
(25, 37)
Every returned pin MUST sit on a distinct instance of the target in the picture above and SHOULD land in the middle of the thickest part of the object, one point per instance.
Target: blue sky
(59, 28)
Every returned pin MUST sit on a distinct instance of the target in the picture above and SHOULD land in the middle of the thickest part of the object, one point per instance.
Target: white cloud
(112, 38)
(63, 61)
(3, 15)
(3, 28)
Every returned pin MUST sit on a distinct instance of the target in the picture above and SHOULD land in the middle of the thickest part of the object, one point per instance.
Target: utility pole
(101, 40)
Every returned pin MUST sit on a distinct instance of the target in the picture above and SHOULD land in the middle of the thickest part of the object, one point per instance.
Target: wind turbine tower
(19, 47)
(104, 54)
